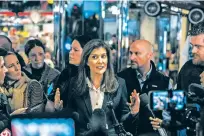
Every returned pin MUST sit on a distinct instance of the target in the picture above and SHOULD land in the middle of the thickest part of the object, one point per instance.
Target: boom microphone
(196, 93)
(145, 104)
(197, 89)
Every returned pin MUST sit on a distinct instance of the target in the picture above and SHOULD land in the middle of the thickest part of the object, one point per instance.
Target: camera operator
(191, 72)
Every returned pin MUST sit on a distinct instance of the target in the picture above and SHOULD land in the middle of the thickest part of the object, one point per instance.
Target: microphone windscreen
(98, 120)
(197, 89)
(144, 100)
(75, 116)
(98, 116)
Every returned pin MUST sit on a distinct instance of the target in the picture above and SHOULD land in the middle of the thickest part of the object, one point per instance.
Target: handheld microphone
(98, 120)
(110, 106)
(97, 124)
(144, 103)
(118, 127)
(75, 116)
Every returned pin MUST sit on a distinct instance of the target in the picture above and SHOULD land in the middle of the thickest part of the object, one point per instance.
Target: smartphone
(165, 100)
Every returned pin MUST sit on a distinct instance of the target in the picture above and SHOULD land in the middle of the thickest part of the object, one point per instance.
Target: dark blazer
(63, 82)
(82, 105)
(156, 81)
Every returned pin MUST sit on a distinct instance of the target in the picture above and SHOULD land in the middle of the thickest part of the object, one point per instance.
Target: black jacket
(4, 115)
(188, 74)
(63, 82)
(156, 81)
(82, 105)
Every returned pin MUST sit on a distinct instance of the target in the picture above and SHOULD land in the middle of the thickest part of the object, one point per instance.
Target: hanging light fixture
(196, 15)
(152, 8)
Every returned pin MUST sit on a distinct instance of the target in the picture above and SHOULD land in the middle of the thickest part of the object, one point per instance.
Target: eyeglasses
(197, 46)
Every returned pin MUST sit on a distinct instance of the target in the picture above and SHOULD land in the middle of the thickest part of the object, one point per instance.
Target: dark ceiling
(185, 4)
(180, 4)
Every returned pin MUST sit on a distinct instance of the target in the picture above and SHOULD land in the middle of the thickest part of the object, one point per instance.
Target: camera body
(183, 114)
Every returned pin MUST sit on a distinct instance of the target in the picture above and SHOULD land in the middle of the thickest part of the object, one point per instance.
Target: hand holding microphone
(134, 104)
(156, 122)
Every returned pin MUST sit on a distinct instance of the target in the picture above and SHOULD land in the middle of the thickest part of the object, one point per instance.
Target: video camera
(184, 108)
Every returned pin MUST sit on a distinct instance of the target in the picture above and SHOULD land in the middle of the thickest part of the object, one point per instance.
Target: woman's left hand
(58, 103)
(156, 123)
(134, 102)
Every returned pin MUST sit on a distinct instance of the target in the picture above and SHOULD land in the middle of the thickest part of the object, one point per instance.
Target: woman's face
(37, 57)
(75, 53)
(13, 66)
(3, 70)
(97, 61)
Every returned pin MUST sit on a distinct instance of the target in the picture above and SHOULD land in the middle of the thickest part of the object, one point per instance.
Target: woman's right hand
(58, 104)
(19, 111)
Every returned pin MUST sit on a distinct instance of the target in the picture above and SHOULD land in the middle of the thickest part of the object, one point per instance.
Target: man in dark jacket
(143, 76)
(193, 70)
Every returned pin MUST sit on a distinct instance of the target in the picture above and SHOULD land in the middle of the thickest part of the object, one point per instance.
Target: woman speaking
(95, 86)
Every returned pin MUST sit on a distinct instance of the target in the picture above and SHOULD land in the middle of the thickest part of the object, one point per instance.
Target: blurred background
(118, 22)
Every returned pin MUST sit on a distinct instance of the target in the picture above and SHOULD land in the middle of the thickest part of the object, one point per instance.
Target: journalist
(191, 72)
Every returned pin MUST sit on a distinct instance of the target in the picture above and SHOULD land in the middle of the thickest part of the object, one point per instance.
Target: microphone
(98, 120)
(110, 106)
(196, 93)
(145, 104)
(197, 89)
(75, 116)
(97, 124)
(118, 127)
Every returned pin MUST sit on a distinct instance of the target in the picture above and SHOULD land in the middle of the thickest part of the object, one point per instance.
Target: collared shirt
(140, 77)
(96, 95)
(142, 80)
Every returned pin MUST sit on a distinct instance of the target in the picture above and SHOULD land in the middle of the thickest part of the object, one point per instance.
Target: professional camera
(183, 114)
(196, 95)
